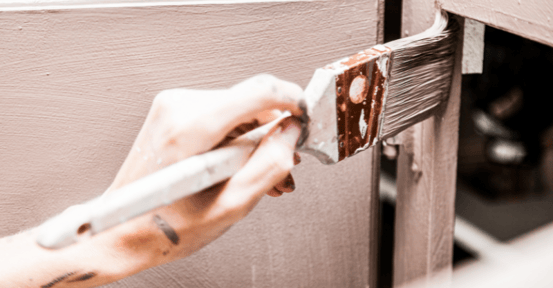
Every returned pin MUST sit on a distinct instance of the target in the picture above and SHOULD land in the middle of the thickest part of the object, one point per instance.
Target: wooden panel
(473, 47)
(530, 19)
(426, 179)
(77, 83)
(37, 5)
(374, 218)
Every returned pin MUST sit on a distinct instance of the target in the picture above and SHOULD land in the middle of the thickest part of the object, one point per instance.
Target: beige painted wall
(76, 84)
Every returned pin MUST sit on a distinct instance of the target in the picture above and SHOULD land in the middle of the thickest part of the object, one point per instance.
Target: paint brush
(357, 101)
(352, 104)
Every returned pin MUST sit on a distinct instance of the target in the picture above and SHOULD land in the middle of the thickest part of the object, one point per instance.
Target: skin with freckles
(181, 123)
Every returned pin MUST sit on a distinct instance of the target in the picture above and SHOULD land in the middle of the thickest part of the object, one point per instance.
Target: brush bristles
(420, 75)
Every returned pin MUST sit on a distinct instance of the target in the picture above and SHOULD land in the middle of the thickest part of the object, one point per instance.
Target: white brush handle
(158, 189)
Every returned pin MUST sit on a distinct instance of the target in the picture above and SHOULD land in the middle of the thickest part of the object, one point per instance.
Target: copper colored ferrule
(361, 92)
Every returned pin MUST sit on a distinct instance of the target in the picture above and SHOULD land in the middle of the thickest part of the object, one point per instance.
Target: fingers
(270, 163)
(287, 185)
(237, 132)
(197, 120)
(258, 98)
(297, 158)
(266, 92)
(274, 193)
(267, 116)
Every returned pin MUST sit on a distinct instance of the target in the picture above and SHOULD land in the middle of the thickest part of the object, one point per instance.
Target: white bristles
(420, 76)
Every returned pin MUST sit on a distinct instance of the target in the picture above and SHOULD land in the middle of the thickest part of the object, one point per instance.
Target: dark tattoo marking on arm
(57, 280)
(167, 230)
(83, 277)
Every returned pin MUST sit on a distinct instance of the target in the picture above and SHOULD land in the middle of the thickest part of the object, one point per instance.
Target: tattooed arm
(181, 123)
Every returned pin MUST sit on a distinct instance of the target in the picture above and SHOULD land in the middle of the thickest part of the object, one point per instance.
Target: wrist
(133, 246)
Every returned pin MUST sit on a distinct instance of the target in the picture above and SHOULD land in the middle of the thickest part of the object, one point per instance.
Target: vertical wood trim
(381, 5)
(417, 16)
(374, 213)
(473, 47)
(425, 215)
(374, 217)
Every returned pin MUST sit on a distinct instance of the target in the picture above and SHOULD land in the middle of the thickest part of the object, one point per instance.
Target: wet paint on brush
(360, 97)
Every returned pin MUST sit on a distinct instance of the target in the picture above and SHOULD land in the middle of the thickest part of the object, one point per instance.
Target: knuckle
(162, 96)
(265, 84)
(269, 84)
(163, 99)
(264, 79)
(210, 129)
(280, 159)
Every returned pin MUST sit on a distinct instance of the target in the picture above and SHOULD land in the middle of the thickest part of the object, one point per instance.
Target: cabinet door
(77, 79)
(425, 201)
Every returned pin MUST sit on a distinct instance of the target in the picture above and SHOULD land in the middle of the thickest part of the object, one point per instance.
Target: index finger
(257, 94)
(267, 92)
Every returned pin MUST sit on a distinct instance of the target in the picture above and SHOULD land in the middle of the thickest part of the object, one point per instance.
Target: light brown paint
(76, 85)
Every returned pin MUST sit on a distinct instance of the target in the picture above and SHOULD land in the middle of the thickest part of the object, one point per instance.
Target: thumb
(270, 163)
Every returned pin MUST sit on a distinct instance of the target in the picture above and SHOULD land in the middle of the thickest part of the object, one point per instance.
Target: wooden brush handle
(158, 189)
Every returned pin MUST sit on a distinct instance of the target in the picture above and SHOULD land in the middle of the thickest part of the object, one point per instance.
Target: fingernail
(286, 185)
(297, 158)
(291, 131)
(289, 182)
(275, 192)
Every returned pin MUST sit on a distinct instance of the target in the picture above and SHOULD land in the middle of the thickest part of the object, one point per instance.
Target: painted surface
(427, 167)
(417, 16)
(531, 19)
(39, 4)
(473, 47)
(76, 85)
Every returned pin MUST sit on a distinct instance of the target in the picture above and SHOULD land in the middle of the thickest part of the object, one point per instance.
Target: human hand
(183, 123)
(287, 185)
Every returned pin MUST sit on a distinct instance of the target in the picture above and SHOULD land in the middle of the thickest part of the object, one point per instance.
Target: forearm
(175, 129)
(28, 265)
(160, 236)
(104, 258)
